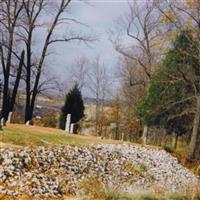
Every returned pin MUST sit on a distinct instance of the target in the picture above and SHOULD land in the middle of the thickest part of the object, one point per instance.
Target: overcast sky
(100, 16)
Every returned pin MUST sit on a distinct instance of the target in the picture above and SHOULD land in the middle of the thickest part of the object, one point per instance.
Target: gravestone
(28, 123)
(9, 117)
(72, 128)
(3, 121)
(68, 122)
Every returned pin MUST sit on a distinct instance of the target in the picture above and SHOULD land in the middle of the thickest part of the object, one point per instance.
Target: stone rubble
(57, 171)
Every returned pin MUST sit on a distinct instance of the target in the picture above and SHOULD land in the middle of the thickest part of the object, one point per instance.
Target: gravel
(57, 171)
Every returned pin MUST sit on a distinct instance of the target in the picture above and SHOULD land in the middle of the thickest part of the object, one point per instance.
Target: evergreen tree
(170, 100)
(73, 105)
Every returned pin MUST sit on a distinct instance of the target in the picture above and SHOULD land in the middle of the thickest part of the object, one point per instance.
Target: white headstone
(9, 117)
(3, 121)
(72, 128)
(68, 122)
(28, 123)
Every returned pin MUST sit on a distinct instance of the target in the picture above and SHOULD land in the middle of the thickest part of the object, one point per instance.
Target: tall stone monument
(68, 122)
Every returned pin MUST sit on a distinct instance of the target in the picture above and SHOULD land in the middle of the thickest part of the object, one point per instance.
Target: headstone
(3, 122)
(9, 117)
(72, 128)
(68, 122)
(28, 123)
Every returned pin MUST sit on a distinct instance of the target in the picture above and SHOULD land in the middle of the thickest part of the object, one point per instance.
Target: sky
(100, 16)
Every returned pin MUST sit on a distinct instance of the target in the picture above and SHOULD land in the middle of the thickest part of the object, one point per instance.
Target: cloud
(100, 16)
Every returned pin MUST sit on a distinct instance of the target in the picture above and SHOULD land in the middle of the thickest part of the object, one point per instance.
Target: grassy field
(22, 135)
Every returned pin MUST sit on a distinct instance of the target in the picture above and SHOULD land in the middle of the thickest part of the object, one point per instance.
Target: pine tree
(73, 105)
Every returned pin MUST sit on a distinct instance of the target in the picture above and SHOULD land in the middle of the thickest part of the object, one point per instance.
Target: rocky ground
(57, 171)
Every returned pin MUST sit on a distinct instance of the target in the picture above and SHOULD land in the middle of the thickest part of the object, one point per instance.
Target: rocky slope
(56, 171)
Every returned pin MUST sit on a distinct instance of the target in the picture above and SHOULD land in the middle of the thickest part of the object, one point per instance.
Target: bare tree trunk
(117, 131)
(28, 74)
(144, 135)
(15, 89)
(193, 141)
(28, 82)
(97, 119)
(176, 141)
(6, 95)
(5, 103)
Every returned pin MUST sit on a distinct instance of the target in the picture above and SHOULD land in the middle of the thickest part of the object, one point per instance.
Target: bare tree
(98, 84)
(131, 89)
(33, 10)
(140, 25)
(79, 71)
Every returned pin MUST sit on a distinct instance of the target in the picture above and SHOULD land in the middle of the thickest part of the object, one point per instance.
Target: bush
(50, 120)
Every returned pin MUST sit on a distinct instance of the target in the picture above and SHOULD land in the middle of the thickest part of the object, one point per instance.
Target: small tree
(73, 105)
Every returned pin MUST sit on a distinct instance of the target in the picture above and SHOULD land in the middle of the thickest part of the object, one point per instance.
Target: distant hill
(89, 100)
(45, 104)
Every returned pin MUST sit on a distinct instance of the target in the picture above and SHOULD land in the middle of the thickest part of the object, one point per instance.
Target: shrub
(50, 120)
